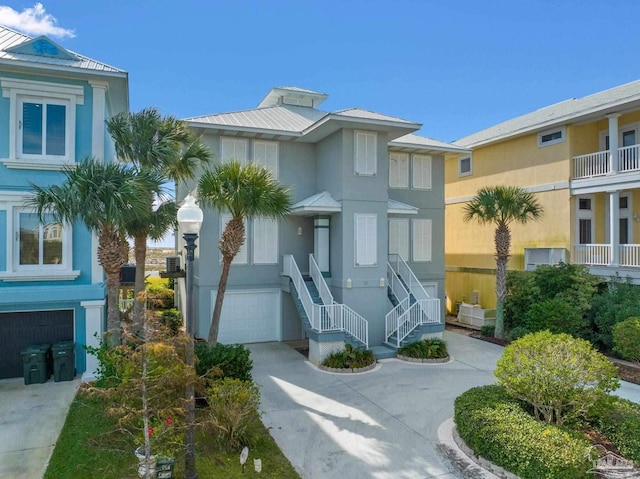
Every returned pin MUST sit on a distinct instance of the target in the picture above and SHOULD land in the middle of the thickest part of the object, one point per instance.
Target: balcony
(597, 164)
(600, 255)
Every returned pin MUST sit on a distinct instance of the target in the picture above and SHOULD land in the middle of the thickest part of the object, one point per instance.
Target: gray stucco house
(361, 259)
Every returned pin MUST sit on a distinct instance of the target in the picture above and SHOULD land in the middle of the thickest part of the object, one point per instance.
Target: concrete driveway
(380, 424)
(31, 418)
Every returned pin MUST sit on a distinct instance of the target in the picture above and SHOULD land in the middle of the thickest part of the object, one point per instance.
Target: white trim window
(233, 149)
(42, 123)
(551, 137)
(265, 153)
(365, 153)
(421, 240)
(398, 170)
(241, 257)
(584, 217)
(265, 241)
(465, 166)
(399, 237)
(421, 175)
(366, 239)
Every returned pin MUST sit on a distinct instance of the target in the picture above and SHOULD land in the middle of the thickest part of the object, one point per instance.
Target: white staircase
(324, 315)
(413, 305)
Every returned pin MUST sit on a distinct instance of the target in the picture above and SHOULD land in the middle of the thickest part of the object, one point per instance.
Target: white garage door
(250, 316)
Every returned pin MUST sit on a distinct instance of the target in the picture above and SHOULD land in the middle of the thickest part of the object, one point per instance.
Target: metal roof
(369, 115)
(11, 40)
(319, 203)
(417, 142)
(567, 111)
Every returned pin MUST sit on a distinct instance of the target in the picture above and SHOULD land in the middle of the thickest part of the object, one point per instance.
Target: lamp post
(190, 220)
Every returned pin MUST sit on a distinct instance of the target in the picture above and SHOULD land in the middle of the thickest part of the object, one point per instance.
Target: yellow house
(582, 159)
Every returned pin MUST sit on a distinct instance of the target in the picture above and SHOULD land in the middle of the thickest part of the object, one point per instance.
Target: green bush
(626, 338)
(618, 301)
(230, 360)
(560, 376)
(432, 348)
(556, 315)
(108, 374)
(517, 333)
(172, 319)
(522, 292)
(488, 331)
(159, 297)
(619, 420)
(349, 357)
(498, 428)
(233, 404)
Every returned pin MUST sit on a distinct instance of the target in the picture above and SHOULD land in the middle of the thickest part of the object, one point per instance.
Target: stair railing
(392, 319)
(397, 288)
(318, 280)
(290, 269)
(413, 284)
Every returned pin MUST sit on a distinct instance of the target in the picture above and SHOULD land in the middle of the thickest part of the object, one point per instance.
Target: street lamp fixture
(190, 220)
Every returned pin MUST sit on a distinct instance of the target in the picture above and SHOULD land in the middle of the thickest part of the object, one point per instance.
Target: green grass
(91, 447)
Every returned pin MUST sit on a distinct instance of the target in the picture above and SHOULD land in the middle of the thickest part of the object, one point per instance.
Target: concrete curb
(323, 369)
(407, 359)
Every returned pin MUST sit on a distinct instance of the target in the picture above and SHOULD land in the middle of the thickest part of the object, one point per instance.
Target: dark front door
(22, 329)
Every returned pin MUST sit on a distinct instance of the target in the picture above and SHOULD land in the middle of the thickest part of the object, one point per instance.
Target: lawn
(90, 446)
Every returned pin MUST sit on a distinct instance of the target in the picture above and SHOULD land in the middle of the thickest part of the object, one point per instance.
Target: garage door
(19, 330)
(250, 316)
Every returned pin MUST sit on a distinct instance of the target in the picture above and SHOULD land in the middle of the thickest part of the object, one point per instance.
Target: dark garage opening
(21, 329)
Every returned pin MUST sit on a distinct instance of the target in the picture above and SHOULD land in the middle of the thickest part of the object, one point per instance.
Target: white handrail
(291, 269)
(397, 288)
(599, 254)
(403, 270)
(391, 319)
(629, 255)
(318, 280)
(629, 158)
(591, 164)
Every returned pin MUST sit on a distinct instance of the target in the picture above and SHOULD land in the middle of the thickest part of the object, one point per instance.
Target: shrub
(233, 404)
(107, 373)
(521, 293)
(556, 315)
(488, 330)
(626, 338)
(349, 357)
(172, 319)
(618, 301)
(560, 376)
(619, 420)
(432, 348)
(498, 428)
(229, 360)
(517, 333)
(159, 297)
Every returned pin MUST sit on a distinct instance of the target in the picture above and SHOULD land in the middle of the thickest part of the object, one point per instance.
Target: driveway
(380, 424)
(31, 418)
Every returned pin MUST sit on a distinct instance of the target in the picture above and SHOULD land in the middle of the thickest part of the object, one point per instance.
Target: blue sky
(457, 66)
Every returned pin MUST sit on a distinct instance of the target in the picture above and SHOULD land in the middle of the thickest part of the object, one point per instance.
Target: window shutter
(265, 241)
(241, 257)
(265, 153)
(233, 149)
(421, 240)
(422, 172)
(365, 153)
(398, 170)
(399, 237)
(366, 240)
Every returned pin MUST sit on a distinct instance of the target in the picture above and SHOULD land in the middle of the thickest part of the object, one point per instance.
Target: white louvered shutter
(421, 240)
(265, 241)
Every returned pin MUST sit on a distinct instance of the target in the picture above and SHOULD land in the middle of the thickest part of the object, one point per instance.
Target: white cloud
(33, 21)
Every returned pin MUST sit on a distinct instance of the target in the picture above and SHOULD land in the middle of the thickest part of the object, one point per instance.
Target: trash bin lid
(40, 348)
(63, 345)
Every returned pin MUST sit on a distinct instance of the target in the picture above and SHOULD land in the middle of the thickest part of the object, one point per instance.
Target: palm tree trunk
(217, 310)
(110, 256)
(503, 245)
(140, 252)
(113, 308)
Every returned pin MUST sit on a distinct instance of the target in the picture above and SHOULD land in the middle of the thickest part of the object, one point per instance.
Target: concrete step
(383, 351)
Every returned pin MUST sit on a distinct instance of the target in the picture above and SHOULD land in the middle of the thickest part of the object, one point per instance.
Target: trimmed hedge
(619, 420)
(233, 360)
(500, 429)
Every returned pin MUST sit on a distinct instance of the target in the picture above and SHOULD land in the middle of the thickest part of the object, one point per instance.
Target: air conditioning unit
(534, 257)
(173, 264)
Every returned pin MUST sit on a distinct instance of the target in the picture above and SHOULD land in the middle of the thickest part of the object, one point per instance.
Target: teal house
(53, 107)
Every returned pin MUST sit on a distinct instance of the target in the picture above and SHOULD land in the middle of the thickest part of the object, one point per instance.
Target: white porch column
(613, 143)
(614, 227)
(321, 229)
(94, 313)
(98, 119)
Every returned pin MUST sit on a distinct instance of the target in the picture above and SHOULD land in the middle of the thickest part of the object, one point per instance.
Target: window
(366, 237)
(233, 149)
(551, 137)
(265, 153)
(584, 226)
(265, 241)
(398, 170)
(365, 153)
(399, 237)
(623, 202)
(39, 244)
(241, 257)
(421, 240)
(464, 166)
(42, 123)
(421, 172)
(584, 203)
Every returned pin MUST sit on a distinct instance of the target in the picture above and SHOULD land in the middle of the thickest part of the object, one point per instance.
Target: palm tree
(168, 147)
(103, 197)
(502, 205)
(245, 192)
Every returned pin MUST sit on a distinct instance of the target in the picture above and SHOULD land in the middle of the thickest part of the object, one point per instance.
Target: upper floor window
(551, 137)
(464, 166)
(42, 123)
(421, 165)
(398, 170)
(233, 149)
(265, 153)
(366, 239)
(365, 153)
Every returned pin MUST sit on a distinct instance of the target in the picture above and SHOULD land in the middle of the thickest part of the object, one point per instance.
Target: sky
(456, 66)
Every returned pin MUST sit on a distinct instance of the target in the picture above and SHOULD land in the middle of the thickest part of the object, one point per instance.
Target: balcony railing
(597, 164)
(600, 255)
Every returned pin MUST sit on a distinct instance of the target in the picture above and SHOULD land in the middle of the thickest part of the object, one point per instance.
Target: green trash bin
(36, 364)
(164, 468)
(64, 362)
